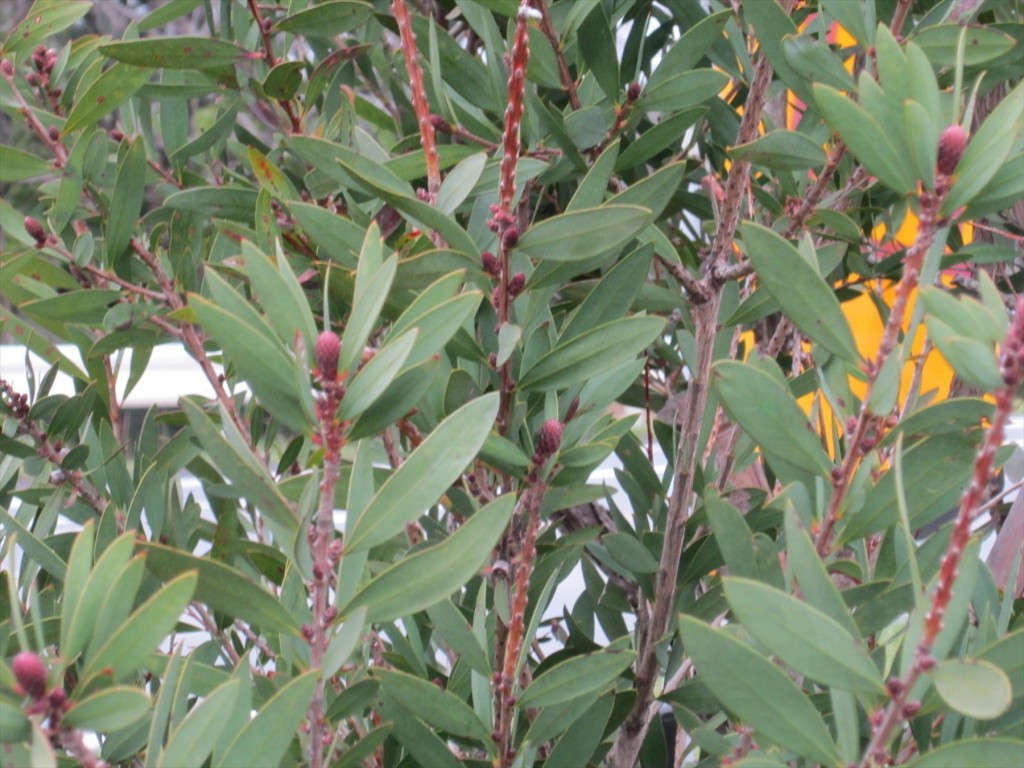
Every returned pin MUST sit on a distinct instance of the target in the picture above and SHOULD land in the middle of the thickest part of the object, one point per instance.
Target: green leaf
(582, 234)
(327, 19)
(396, 401)
(283, 81)
(191, 743)
(613, 295)
(977, 753)
(687, 52)
(974, 688)
(131, 643)
(459, 182)
(782, 150)
(259, 358)
(44, 19)
(626, 550)
(265, 739)
(582, 675)
(663, 136)
(371, 291)
(592, 352)
(813, 578)
(687, 89)
(16, 165)
(14, 725)
(934, 472)
(801, 292)
(430, 575)
(280, 295)
(108, 710)
(435, 706)
(222, 588)
(270, 177)
(804, 638)
(34, 547)
(866, 138)
(764, 407)
(343, 644)
(176, 52)
(376, 376)
(234, 203)
(941, 43)
(426, 474)
(598, 48)
(112, 89)
(238, 464)
(757, 691)
(435, 322)
(653, 192)
(126, 199)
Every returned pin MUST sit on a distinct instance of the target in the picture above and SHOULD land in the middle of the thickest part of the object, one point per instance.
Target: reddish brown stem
(899, 707)
(930, 204)
(268, 55)
(420, 105)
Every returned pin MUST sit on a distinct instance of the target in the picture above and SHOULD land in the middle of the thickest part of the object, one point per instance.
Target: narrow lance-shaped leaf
(757, 691)
(800, 290)
(591, 353)
(430, 575)
(437, 707)
(582, 234)
(416, 485)
(805, 638)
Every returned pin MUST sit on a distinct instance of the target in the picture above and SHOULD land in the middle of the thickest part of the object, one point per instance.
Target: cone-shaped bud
(328, 349)
(550, 438)
(6, 68)
(510, 238)
(35, 230)
(30, 672)
(516, 284)
(952, 143)
(633, 92)
(490, 263)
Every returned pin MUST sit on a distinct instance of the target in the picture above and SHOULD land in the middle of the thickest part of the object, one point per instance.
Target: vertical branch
(428, 138)
(323, 549)
(655, 619)
(556, 45)
(864, 432)
(900, 707)
(268, 55)
(504, 221)
(548, 442)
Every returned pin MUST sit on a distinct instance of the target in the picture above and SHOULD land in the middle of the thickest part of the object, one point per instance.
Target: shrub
(438, 262)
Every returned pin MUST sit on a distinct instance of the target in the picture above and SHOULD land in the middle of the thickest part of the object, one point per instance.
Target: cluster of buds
(44, 59)
(549, 440)
(35, 231)
(32, 676)
(16, 401)
(490, 264)
(500, 220)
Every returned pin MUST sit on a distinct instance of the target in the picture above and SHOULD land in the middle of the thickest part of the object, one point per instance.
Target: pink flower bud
(633, 92)
(30, 672)
(35, 230)
(116, 135)
(952, 143)
(549, 439)
(510, 238)
(440, 124)
(328, 349)
(911, 708)
(6, 68)
(490, 263)
(516, 284)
